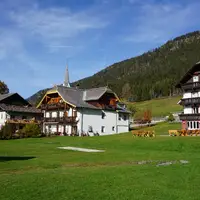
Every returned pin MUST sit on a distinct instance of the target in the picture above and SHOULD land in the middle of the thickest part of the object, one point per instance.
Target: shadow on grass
(10, 158)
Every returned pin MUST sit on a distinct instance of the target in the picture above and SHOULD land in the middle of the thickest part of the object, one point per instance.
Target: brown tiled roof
(15, 108)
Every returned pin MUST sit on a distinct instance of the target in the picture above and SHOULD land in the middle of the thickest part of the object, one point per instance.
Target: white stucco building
(73, 111)
(14, 109)
(190, 85)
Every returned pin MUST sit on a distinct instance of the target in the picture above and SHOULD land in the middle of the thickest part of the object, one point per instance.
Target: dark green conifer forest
(153, 74)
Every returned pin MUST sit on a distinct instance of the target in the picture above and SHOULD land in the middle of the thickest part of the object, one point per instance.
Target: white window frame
(195, 78)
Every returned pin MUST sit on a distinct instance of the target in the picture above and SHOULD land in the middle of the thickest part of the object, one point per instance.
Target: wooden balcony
(22, 121)
(53, 106)
(190, 117)
(70, 120)
(191, 86)
(190, 101)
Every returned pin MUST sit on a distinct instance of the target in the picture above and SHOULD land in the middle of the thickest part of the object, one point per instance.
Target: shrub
(31, 130)
(143, 117)
(7, 132)
(171, 118)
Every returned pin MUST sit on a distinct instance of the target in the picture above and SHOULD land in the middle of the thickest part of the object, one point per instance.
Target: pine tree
(3, 88)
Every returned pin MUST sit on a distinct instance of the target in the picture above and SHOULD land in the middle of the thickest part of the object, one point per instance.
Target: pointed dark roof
(4, 96)
(14, 108)
(189, 74)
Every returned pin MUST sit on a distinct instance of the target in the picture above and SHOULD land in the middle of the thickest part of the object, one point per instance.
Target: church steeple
(66, 81)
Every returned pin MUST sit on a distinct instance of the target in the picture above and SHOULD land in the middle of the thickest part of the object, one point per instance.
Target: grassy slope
(163, 127)
(61, 174)
(160, 107)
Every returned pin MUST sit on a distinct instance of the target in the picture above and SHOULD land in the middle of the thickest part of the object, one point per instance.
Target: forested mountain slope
(151, 75)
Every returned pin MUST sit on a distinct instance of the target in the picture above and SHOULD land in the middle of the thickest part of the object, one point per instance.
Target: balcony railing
(190, 101)
(191, 86)
(52, 106)
(61, 119)
(22, 121)
(190, 117)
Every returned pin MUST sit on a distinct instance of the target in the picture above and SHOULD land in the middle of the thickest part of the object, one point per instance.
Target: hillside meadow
(159, 107)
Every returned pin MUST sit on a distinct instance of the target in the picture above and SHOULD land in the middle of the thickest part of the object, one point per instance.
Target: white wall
(3, 117)
(195, 94)
(109, 122)
(122, 123)
(89, 117)
(187, 110)
(54, 113)
(187, 95)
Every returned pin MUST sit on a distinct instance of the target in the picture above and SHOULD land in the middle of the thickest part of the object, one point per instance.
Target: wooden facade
(107, 101)
(190, 85)
(59, 114)
(15, 110)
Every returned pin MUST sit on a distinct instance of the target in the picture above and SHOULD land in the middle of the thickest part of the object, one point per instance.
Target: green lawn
(56, 174)
(160, 107)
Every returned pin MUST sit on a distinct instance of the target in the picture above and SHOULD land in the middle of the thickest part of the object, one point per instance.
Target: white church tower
(66, 81)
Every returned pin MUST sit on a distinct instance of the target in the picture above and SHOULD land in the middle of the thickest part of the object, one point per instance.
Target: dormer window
(195, 78)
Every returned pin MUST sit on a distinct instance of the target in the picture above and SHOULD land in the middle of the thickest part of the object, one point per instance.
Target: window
(61, 113)
(188, 124)
(195, 78)
(194, 125)
(125, 117)
(119, 118)
(103, 129)
(195, 110)
(113, 128)
(90, 129)
(47, 114)
(54, 114)
(103, 115)
(191, 125)
(198, 125)
(74, 113)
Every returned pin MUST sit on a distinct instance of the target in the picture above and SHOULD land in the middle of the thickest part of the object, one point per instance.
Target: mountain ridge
(151, 75)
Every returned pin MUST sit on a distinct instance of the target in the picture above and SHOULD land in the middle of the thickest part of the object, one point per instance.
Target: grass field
(48, 173)
(160, 107)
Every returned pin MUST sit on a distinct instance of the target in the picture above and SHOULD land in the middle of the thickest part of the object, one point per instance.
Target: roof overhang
(188, 74)
(53, 91)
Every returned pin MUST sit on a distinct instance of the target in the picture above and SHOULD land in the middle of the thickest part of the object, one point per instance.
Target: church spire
(66, 81)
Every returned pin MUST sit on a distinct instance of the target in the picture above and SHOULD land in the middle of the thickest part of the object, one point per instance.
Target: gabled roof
(4, 96)
(95, 93)
(189, 74)
(73, 96)
(79, 97)
(14, 108)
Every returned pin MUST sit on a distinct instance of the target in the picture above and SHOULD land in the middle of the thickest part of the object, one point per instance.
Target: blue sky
(39, 37)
